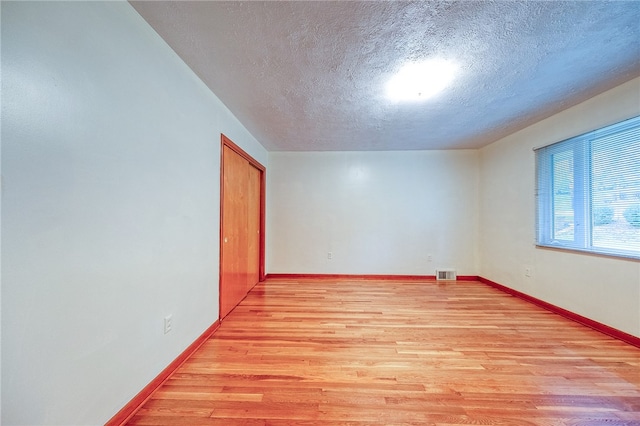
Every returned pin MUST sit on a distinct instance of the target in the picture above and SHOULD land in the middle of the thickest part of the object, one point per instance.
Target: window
(588, 191)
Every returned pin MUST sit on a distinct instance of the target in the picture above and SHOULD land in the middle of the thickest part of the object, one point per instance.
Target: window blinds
(588, 191)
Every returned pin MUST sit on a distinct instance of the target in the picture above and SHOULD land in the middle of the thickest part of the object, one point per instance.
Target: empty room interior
(342, 212)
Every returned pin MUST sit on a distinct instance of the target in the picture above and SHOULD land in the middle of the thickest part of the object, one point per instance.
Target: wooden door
(253, 234)
(234, 231)
(242, 225)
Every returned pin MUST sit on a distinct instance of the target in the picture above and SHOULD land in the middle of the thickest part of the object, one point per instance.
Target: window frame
(581, 193)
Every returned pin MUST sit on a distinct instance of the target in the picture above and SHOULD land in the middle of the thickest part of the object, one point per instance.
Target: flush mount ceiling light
(418, 81)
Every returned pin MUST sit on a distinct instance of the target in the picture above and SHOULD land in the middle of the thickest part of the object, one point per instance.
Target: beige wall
(602, 288)
(110, 208)
(377, 212)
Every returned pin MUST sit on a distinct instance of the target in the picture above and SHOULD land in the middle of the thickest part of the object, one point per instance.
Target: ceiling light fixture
(418, 81)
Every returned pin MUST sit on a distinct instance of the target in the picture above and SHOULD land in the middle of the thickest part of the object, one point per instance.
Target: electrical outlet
(528, 271)
(329, 255)
(168, 323)
(429, 258)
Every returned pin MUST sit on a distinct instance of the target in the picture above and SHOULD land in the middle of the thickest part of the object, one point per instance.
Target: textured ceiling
(311, 75)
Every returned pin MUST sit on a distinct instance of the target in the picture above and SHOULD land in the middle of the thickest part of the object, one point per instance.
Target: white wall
(377, 212)
(601, 288)
(110, 208)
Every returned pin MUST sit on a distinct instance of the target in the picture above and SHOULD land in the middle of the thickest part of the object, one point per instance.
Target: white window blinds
(588, 191)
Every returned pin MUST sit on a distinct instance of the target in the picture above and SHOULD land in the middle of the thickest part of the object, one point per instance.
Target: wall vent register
(446, 275)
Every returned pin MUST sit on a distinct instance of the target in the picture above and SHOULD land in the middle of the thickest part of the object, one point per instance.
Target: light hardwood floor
(331, 352)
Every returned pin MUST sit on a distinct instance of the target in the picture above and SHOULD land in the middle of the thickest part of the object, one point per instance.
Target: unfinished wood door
(242, 223)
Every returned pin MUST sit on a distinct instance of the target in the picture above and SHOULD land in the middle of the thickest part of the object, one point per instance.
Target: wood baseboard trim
(129, 410)
(351, 277)
(365, 277)
(598, 326)
(467, 278)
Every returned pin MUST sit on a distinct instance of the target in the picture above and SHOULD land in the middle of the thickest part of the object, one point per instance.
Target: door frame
(225, 141)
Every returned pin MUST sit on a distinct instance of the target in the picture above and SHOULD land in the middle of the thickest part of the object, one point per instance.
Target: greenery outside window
(588, 191)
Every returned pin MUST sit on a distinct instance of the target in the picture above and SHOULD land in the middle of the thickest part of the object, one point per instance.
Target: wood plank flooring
(345, 352)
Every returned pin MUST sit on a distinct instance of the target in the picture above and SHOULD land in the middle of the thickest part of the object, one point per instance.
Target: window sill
(592, 252)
